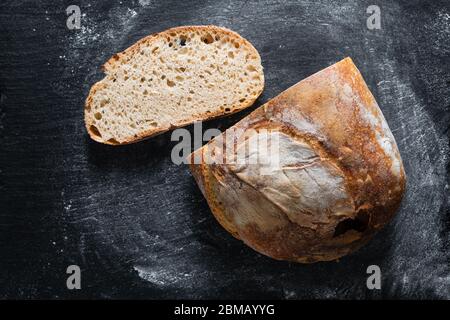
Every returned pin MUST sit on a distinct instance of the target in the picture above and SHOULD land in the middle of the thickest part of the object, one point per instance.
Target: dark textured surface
(137, 224)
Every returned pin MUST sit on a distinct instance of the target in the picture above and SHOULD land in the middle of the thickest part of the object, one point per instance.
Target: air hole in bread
(183, 40)
(170, 83)
(231, 54)
(359, 224)
(94, 130)
(208, 39)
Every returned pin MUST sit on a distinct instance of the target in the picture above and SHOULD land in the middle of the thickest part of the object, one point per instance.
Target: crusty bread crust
(123, 57)
(334, 113)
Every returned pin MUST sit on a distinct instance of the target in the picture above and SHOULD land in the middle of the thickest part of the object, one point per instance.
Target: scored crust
(334, 114)
(126, 56)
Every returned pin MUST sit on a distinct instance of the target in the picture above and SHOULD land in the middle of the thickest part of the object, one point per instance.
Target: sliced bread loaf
(170, 79)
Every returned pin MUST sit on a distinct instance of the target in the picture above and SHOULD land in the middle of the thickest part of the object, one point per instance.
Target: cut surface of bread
(170, 79)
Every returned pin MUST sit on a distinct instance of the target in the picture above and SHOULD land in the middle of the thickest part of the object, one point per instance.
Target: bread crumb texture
(171, 79)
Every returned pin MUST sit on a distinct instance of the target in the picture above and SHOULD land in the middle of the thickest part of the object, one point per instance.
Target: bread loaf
(337, 180)
(171, 79)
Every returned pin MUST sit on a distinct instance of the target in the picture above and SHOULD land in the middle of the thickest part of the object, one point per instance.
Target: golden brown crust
(200, 174)
(334, 112)
(122, 57)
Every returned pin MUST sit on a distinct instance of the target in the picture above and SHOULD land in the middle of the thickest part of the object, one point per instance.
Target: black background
(136, 223)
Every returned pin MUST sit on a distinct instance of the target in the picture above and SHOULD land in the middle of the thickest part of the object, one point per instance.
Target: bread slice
(170, 79)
